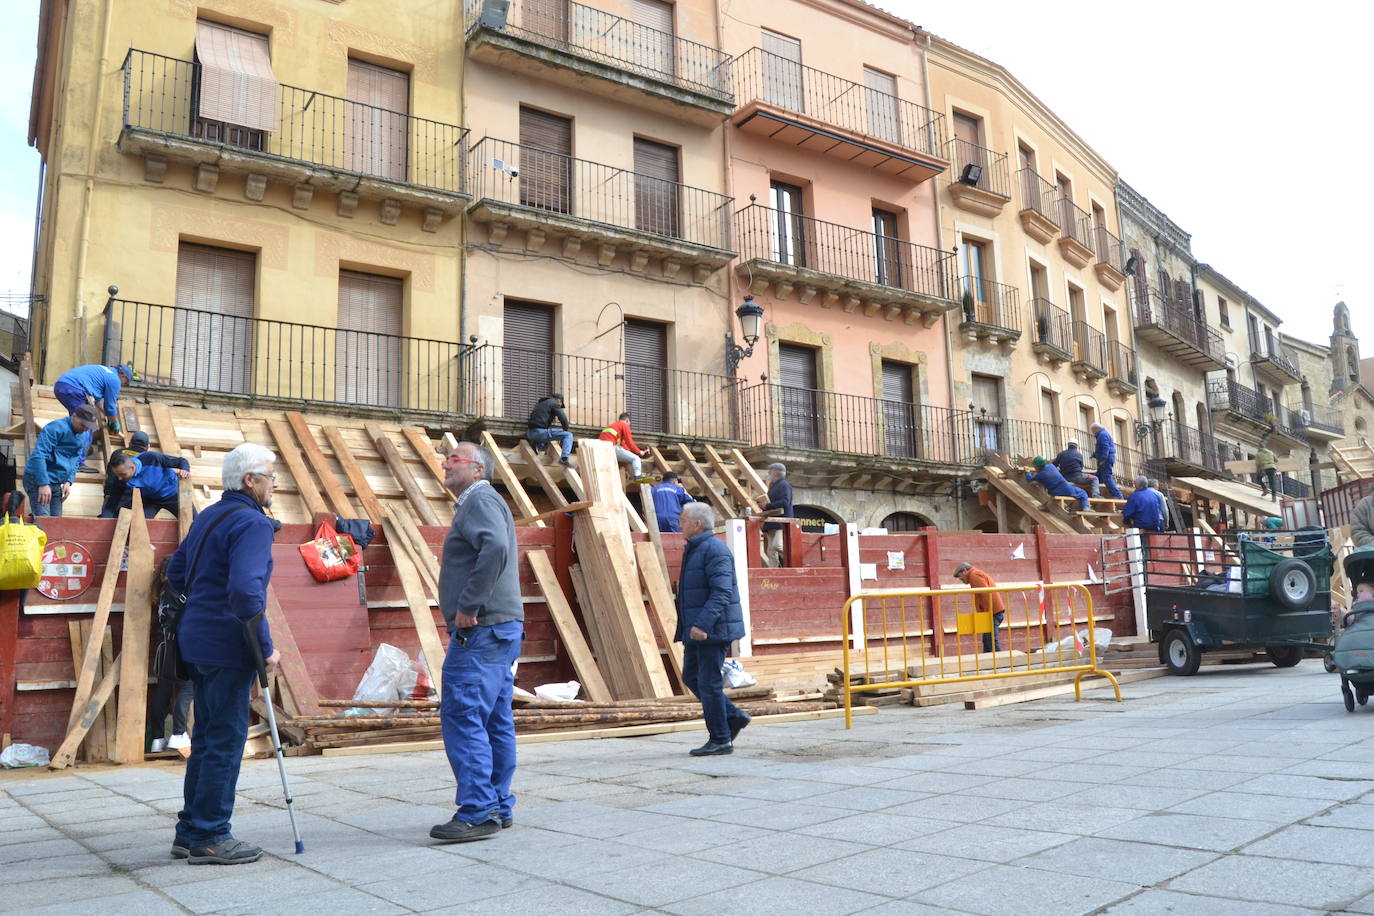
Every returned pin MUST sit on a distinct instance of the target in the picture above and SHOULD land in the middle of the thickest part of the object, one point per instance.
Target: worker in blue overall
(1048, 476)
(97, 383)
(1105, 453)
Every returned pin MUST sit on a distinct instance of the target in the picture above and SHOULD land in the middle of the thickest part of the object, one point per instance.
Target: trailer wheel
(1181, 654)
(1292, 584)
(1361, 695)
(1283, 656)
(1347, 696)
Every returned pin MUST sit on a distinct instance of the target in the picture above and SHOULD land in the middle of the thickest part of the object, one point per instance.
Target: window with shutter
(368, 355)
(234, 93)
(789, 227)
(968, 149)
(657, 207)
(212, 338)
(646, 388)
(545, 160)
(653, 34)
(798, 396)
(782, 71)
(376, 140)
(527, 358)
(899, 410)
(880, 89)
(886, 248)
(987, 410)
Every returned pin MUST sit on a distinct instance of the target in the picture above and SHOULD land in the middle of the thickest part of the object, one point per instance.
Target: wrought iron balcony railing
(993, 177)
(1226, 395)
(801, 241)
(1277, 355)
(1183, 443)
(1053, 327)
(527, 176)
(761, 76)
(992, 304)
(1178, 321)
(161, 95)
(1109, 249)
(605, 38)
(1074, 222)
(1090, 346)
(1321, 418)
(1038, 194)
(1122, 363)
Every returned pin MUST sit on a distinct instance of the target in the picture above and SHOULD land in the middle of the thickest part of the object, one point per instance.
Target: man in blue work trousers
(1105, 452)
(98, 383)
(479, 596)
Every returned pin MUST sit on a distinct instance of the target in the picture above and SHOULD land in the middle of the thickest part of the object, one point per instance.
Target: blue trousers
(541, 437)
(54, 506)
(1104, 476)
(1078, 493)
(217, 740)
(701, 664)
(476, 718)
(71, 397)
(994, 639)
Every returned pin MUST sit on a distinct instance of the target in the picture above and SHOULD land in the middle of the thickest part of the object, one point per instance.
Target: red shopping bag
(331, 555)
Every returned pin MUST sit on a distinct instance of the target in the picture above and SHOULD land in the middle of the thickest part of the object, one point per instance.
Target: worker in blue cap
(1048, 476)
(97, 383)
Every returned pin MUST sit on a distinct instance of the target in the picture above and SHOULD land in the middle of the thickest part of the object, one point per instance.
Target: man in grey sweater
(479, 595)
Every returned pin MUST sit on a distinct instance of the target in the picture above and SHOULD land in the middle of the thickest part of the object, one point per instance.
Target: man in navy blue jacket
(1104, 450)
(1048, 476)
(1145, 508)
(50, 470)
(709, 618)
(223, 568)
(159, 476)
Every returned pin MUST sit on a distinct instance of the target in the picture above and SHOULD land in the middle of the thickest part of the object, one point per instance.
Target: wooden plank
(401, 472)
(292, 663)
(613, 674)
(66, 752)
(1026, 504)
(138, 621)
(87, 673)
(110, 715)
(403, 528)
(422, 616)
(164, 428)
(654, 577)
(541, 474)
(514, 489)
(424, 449)
(338, 499)
(569, 634)
(646, 499)
(750, 475)
(1040, 693)
(78, 641)
(742, 496)
(26, 403)
(305, 482)
(96, 746)
(640, 630)
(545, 516)
(1241, 496)
(721, 506)
(361, 488)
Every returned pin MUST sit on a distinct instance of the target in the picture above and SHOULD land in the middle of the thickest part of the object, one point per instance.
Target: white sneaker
(159, 745)
(177, 742)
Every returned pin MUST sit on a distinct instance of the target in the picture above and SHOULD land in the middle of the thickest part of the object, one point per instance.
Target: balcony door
(212, 337)
(646, 383)
(782, 71)
(368, 354)
(968, 148)
(884, 119)
(977, 278)
(789, 227)
(546, 179)
(526, 358)
(653, 35)
(234, 94)
(546, 19)
(376, 129)
(987, 411)
(887, 249)
(899, 410)
(657, 205)
(799, 403)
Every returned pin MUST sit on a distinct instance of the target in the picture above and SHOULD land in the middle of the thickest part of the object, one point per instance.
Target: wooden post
(361, 488)
(541, 474)
(338, 499)
(654, 577)
(514, 487)
(305, 483)
(66, 753)
(387, 449)
(424, 449)
(569, 633)
(87, 673)
(138, 620)
(646, 500)
(849, 535)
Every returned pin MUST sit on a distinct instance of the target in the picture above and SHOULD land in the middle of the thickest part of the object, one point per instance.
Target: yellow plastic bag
(21, 554)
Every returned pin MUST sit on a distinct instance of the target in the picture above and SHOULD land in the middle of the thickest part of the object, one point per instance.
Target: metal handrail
(161, 94)
(1122, 363)
(803, 241)
(1110, 250)
(994, 177)
(987, 302)
(1038, 194)
(610, 39)
(1173, 439)
(1090, 346)
(1320, 417)
(1157, 310)
(1277, 354)
(1053, 326)
(1074, 222)
(761, 76)
(527, 176)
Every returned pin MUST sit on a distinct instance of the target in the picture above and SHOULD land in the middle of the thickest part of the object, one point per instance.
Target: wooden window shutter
(646, 389)
(657, 208)
(368, 349)
(235, 83)
(654, 42)
(377, 137)
(527, 359)
(798, 402)
(546, 163)
(214, 315)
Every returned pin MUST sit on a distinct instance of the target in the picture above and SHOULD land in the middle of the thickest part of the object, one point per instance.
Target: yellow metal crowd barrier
(898, 638)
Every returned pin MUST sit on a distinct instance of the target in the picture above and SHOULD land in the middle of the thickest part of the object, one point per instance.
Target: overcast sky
(1251, 128)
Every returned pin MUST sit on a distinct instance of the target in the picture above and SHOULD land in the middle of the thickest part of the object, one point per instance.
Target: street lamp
(1144, 429)
(750, 315)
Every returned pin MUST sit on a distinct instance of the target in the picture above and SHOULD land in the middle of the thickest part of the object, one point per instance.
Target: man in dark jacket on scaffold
(709, 619)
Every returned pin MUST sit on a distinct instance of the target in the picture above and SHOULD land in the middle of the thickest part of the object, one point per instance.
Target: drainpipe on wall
(88, 191)
(41, 366)
(732, 292)
(922, 40)
(462, 222)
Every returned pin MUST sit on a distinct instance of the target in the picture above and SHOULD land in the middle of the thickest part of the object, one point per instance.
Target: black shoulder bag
(171, 606)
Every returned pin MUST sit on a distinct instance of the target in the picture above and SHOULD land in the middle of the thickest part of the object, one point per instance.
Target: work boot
(739, 725)
(507, 822)
(713, 748)
(460, 831)
(564, 460)
(225, 852)
(180, 849)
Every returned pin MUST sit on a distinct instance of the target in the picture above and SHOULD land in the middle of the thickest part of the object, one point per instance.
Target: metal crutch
(250, 627)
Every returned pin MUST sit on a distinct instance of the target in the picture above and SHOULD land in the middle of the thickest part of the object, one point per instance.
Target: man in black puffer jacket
(709, 618)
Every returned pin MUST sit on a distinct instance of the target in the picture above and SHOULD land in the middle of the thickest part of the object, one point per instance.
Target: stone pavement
(1238, 791)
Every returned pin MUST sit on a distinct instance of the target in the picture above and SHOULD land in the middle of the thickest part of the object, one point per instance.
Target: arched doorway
(905, 521)
(987, 527)
(814, 518)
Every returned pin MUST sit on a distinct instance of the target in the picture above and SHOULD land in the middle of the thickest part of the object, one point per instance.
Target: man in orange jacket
(974, 577)
(626, 452)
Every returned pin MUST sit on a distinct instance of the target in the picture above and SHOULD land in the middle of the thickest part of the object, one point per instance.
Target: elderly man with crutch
(222, 569)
